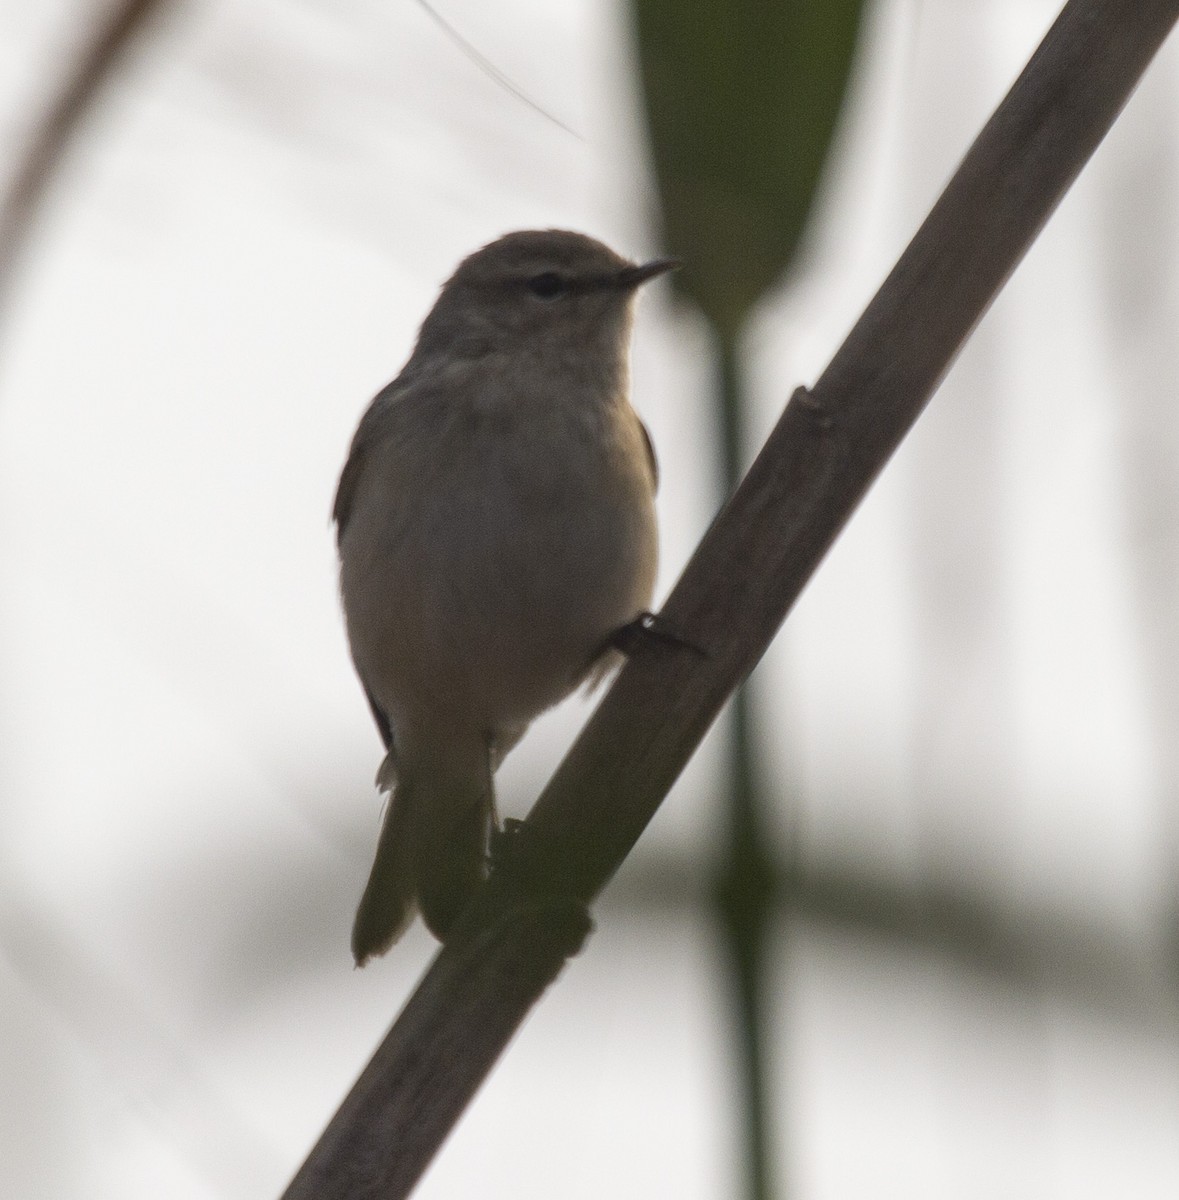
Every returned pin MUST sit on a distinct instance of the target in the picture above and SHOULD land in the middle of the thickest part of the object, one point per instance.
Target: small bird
(496, 526)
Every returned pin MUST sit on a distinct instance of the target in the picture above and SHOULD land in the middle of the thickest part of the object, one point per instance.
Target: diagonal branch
(826, 450)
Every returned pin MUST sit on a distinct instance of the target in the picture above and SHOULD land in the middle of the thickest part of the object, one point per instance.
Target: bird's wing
(367, 433)
(380, 716)
(346, 489)
(651, 459)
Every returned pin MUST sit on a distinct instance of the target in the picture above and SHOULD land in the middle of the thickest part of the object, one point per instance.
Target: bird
(495, 523)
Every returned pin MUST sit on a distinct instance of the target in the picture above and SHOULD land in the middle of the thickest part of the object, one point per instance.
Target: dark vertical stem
(744, 891)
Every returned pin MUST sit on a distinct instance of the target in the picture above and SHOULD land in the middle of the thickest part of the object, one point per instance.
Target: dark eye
(547, 285)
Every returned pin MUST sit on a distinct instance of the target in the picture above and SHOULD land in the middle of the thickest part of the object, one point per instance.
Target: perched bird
(496, 525)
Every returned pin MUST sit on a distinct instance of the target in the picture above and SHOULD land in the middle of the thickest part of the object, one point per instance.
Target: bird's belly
(491, 606)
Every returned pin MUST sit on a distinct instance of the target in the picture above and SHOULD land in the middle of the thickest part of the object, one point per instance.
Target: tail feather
(456, 806)
(432, 852)
(451, 860)
(388, 903)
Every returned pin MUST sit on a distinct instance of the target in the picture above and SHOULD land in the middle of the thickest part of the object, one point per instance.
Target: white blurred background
(971, 714)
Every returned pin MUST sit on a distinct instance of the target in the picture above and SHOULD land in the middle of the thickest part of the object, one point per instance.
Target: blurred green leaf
(742, 98)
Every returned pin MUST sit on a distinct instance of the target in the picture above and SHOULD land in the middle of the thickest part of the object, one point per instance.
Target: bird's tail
(432, 852)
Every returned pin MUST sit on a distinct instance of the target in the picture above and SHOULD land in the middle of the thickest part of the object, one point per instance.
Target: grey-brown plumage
(495, 521)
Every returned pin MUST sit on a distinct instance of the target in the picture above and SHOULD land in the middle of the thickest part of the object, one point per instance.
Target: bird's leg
(489, 778)
(646, 629)
(506, 840)
(507, 858)
(494, 832)
(503, 836)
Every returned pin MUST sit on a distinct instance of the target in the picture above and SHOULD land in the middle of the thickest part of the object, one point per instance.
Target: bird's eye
(547, 285)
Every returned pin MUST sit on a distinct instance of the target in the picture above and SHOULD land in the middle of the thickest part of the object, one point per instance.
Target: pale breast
(490, 555)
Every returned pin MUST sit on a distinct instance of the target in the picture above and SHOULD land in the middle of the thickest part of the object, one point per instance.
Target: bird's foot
(648, 628)
(504, 846)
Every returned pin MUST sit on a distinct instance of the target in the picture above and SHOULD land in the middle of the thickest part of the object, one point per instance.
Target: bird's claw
(504, 845)
(650, 627)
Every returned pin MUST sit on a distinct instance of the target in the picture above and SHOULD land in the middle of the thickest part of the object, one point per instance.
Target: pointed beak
(632, 277)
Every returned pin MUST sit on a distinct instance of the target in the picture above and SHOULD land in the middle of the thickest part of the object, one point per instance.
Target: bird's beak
(631, 277)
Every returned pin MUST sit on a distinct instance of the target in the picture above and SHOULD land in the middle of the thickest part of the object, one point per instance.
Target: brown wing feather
(651, 456)
(365, 434)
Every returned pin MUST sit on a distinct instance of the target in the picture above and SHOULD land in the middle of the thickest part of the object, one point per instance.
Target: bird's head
(537, 287)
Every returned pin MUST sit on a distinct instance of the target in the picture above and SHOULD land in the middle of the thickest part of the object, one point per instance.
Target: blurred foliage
(741, 99)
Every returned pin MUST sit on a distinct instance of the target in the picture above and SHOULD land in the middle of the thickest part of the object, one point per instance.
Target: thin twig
(490, 69)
